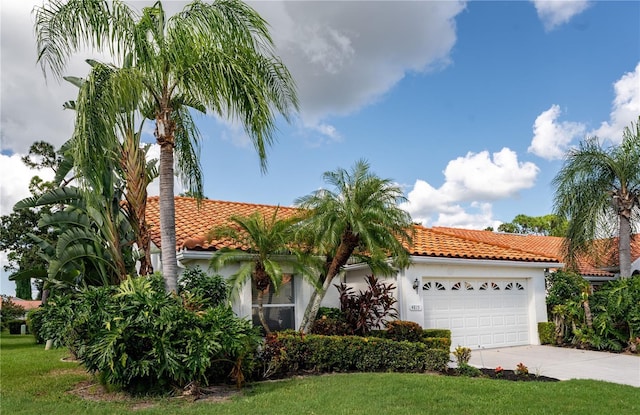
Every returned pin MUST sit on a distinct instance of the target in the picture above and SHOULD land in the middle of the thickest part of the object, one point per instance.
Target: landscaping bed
(503, 374)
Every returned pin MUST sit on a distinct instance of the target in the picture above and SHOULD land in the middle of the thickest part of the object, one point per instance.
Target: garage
(481, 313)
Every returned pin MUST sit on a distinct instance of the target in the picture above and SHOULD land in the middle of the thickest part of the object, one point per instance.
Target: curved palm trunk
(624, 245)
(262, 284)
(263, 321)
(344, 251)
(164, 135)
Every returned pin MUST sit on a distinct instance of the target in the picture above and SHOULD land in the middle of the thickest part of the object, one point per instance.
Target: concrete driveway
(563, 363)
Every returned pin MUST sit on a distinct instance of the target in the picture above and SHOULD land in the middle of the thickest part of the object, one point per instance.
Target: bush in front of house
(547, 332)
(211, 290)
(367, 310)
(401, 330)
(34, 323)
(142, 340)
(289, 353)
(615, 317)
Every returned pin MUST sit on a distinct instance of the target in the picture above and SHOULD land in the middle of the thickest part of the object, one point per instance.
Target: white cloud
(31, 108)
(626, 107)
(552, 138)
(475, 216)
(471, 182)
(554, 13)
(345, 55)
(15, 181)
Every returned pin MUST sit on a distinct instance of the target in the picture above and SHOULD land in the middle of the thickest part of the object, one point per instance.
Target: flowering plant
(521, 369)
(499, 371)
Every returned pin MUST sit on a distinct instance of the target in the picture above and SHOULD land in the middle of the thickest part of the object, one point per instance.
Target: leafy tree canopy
(547, 225)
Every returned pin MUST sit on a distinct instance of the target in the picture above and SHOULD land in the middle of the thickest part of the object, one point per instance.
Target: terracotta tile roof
(26, 304)
(193, 224)
(550, 246)
(435, 242)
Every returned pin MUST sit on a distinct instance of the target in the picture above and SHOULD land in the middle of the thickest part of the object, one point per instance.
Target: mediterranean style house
(487, 288)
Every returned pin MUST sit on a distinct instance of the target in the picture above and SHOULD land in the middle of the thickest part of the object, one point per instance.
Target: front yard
(33, 380)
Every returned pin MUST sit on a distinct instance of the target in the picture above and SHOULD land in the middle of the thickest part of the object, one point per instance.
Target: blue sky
(469, 106)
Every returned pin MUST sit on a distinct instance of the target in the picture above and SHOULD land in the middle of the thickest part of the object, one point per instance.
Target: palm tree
(263, 246)
(112, 122)
(360, 218)
(597, 190)
(214, 57)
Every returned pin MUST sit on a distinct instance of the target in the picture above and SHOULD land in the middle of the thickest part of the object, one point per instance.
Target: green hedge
(287, 353)
(443, 343)
(439, 333)
(547, 332)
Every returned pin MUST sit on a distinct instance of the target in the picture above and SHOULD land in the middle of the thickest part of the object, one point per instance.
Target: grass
(33, 380)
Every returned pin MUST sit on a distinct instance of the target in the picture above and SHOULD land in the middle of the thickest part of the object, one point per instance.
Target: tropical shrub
(142, 340)
(563, 286)
(287, 353)
(34, 322)
(614, 312)
(330, 326)
(212, 290)
(400, 330)
(465, 369)
(617, 312)
(330, 312)
(370, 309)
(547, 332)
(462, 355)
(443, 343)
(437, 333)
(522, 369)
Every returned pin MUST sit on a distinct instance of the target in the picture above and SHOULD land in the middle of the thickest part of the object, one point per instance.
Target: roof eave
(485, 262)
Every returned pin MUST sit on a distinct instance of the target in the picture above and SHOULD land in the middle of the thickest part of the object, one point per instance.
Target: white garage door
(479, 313)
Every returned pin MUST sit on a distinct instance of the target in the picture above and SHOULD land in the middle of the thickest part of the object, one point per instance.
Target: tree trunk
(164, 135)
(314, 305)
(348, 244)
(261, 312)
(624, 245)
(588, 316)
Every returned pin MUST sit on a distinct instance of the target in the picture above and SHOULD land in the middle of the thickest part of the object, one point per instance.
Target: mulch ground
(507, 375)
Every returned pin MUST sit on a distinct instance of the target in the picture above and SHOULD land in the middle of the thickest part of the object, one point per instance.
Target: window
(279, 308)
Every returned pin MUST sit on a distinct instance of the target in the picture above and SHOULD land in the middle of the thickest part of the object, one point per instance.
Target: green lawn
(33, 380)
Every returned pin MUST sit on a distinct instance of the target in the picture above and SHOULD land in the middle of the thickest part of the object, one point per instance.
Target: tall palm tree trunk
(624, 244)
(165, 128)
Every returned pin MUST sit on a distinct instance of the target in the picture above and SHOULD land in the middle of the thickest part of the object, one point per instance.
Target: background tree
(216, 57)
(264, 247)
(359, 218)
(547, 225)
(597, 191)
(22, 251)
